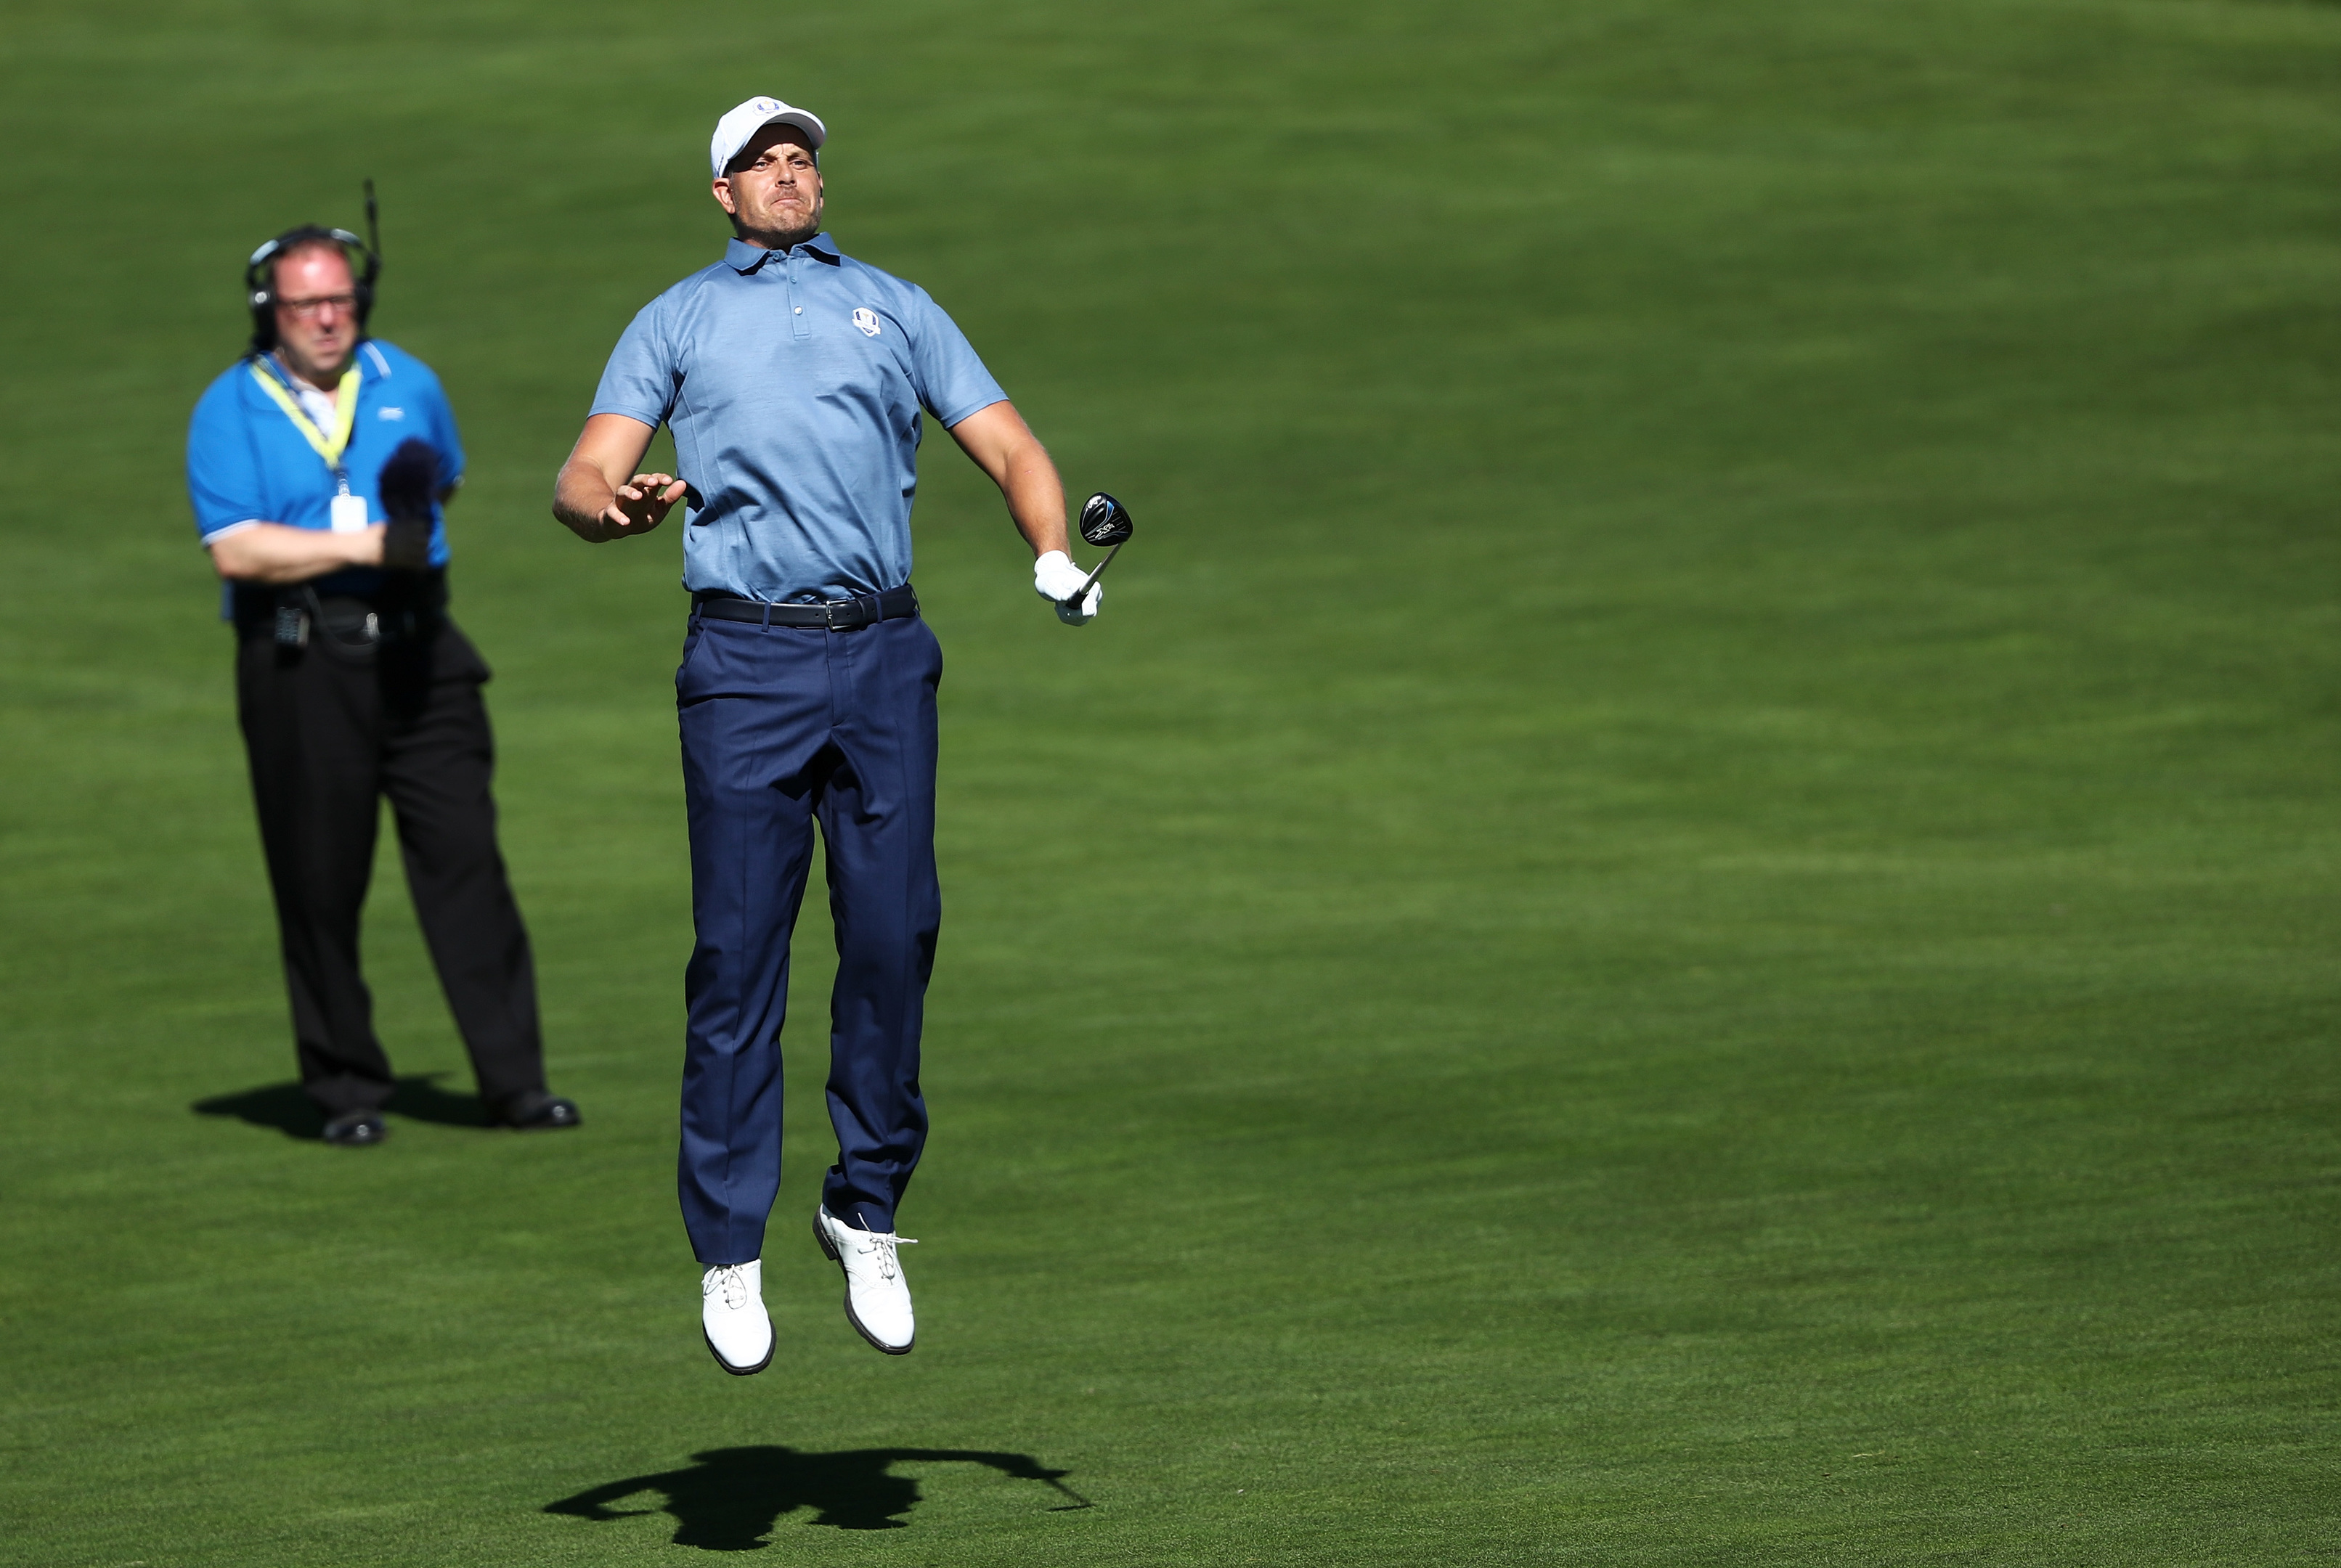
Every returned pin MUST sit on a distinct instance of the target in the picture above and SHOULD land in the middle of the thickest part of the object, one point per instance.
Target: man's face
(316, 313)
(772, 190)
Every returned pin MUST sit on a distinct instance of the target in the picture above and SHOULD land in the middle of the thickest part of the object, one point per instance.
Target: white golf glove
(1055, 578)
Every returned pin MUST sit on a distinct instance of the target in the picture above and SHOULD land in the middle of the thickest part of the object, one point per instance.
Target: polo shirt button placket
(796, 300)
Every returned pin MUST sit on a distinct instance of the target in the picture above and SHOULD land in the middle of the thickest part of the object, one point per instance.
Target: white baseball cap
(732, 131)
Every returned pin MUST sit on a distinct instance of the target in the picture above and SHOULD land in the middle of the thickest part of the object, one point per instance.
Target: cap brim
(796, 118)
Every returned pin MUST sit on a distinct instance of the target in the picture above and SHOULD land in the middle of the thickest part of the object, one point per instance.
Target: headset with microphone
(259, 273)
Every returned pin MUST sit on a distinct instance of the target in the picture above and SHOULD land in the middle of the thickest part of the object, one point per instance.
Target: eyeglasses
(306, 310)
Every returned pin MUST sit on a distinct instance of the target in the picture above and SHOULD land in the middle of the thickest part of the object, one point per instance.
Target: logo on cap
(867, 319)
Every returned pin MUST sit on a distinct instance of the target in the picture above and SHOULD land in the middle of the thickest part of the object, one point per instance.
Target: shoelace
(889, 1266)
(733, 1283)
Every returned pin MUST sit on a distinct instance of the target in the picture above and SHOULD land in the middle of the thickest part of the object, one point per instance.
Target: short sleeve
(223, 479)
(639, 379)
(951, 382)
(444, 439)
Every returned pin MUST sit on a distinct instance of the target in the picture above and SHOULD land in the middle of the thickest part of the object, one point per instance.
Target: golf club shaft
(1100, 569)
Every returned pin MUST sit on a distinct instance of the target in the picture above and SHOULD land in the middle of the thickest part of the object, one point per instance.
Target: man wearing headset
(793, 377)
(351, 684)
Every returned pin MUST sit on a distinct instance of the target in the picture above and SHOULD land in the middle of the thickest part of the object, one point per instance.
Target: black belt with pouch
(407, 605)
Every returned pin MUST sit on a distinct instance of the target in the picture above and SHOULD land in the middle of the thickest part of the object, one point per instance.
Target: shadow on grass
(729, 1499)
(284, 1108)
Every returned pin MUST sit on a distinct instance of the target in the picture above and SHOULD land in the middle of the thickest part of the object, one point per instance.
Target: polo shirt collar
(273, 364)
(743, 257)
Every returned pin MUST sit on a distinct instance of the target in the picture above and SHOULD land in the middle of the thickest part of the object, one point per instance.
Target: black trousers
(330, 728)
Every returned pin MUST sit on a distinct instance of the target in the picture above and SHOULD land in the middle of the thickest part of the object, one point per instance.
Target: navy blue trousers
(782, 726)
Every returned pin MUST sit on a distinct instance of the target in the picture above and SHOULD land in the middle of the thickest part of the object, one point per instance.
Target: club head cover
(409, 485)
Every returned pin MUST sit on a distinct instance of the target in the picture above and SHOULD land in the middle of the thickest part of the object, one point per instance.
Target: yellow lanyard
(329, 445)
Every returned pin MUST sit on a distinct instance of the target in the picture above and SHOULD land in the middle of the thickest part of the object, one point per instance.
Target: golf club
(1105, 520)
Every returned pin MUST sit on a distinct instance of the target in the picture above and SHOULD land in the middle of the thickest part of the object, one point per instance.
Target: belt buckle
(854, 607)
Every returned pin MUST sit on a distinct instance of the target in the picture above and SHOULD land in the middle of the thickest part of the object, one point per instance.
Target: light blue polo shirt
(248, 462)
(792, 380)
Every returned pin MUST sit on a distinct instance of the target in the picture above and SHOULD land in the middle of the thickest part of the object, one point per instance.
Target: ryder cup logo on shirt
(867, 319)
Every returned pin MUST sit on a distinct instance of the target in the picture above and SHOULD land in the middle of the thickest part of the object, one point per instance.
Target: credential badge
(867, 319)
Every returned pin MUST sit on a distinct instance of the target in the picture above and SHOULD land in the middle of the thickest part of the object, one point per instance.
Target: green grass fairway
(1684, 911)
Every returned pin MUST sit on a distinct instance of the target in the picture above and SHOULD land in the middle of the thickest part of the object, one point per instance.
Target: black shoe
(538, 1111)
(356, 1130)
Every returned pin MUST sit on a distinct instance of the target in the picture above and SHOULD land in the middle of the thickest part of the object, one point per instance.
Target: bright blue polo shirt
(792, 380)
(248, 462)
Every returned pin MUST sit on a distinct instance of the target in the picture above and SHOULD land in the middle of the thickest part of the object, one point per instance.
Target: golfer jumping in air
(793, 377)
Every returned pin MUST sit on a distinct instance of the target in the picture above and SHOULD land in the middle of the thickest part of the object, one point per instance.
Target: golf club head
(1105, 520)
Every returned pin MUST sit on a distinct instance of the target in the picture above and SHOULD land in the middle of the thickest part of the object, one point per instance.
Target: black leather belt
(835, 614)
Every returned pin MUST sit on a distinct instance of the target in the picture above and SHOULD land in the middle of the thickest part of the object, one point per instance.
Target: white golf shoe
(877, 1296)
(731, 1315)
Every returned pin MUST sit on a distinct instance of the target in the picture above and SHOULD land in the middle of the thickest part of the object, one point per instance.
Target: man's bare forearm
(276, 553)
(580, 496)
(599, 496)
(1036, 499)
(999, 442)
